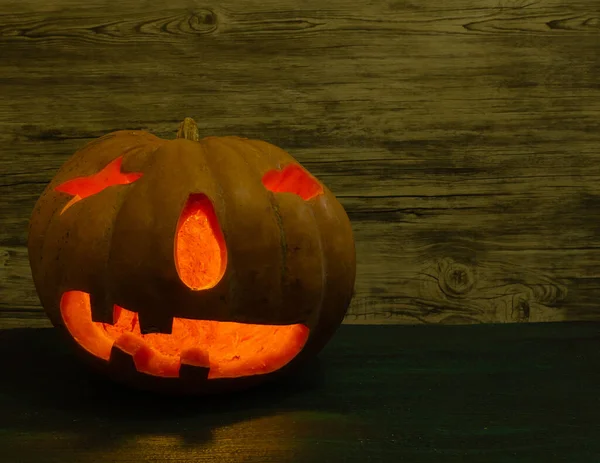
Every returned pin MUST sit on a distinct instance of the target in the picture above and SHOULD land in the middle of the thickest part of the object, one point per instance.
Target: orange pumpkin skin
(132, 280)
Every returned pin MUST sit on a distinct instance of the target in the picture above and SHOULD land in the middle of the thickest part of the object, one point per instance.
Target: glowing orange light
(292, 179)
(200, 251)
(82, 187)
(229, 349)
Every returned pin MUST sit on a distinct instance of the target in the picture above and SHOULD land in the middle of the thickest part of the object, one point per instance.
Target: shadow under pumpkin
(78, 404)
(227, 349)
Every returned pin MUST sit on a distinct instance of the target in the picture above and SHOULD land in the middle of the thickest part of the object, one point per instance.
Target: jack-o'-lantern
(191, 265)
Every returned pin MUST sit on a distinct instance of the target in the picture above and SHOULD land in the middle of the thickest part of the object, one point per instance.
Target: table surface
(482, 393)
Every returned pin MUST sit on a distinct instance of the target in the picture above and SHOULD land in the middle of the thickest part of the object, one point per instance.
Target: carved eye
(82, 187)
(292, 179)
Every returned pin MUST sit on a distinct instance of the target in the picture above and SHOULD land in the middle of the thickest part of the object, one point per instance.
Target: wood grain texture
(462, 137)
(516, 393)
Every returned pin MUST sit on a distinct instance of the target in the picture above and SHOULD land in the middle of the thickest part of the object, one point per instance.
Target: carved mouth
(227, 349)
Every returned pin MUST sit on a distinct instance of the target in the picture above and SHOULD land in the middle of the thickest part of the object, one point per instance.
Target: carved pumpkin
(191, 265)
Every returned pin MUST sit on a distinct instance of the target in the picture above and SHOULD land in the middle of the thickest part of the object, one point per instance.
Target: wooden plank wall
(463, 136)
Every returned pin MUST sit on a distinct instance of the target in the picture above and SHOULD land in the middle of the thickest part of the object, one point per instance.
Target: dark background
(461, 136)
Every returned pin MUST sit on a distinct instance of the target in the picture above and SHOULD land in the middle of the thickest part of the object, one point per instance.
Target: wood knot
(199, 19)
(455, 279)
(521, 310)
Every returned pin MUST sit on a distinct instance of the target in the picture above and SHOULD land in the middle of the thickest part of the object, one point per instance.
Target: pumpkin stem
(188, 129)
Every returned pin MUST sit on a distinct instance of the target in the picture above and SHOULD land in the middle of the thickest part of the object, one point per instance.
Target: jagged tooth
(132, 353)
(136, 349)
(129, 343)
(195, 364)
(102, 308)
(195, 356)
(152, 323)
(123, 352)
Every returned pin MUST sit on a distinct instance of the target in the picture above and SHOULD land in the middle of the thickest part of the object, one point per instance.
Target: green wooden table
(483, 393)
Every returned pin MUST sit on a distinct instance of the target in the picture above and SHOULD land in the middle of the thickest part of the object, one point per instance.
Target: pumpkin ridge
(284, 248)
(340, 282)
(324, 262)
(222, 215)
(56, 200)
(253, 176)
(272, 200)
(274, 208)
(107, 284)
(314, 224)
(136, 258)
(324, 259)
(45, 227)
(316, 230)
